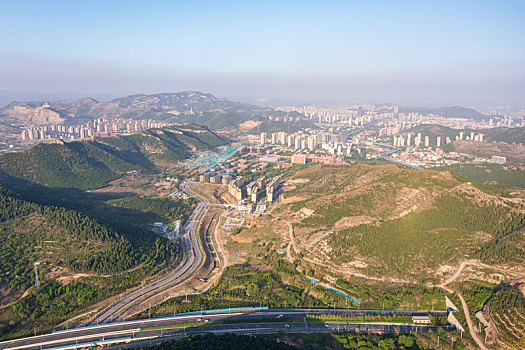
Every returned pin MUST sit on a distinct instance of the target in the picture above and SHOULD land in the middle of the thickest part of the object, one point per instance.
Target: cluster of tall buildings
(508, 122)
(334, 141)
(419, 141)
(255, 191)
(356, 115)
(97, 127)
(302, 140)
(472, 136)
(360, 114)
(297, 140)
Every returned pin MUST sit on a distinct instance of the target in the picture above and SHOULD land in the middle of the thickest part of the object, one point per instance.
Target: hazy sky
(409, 52)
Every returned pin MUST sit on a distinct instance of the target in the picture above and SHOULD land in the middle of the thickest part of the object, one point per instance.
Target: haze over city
(416, 53)
(274, 175)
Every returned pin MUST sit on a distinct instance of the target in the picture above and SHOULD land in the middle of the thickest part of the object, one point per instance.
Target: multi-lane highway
(193, 255)
(393, 149)
(232, 321)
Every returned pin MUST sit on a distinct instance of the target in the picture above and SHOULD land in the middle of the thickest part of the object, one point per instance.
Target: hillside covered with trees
(386, 220)
(68, 245)
(91, 164)
(88, 245)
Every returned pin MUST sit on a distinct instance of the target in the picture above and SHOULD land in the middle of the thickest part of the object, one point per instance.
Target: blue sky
(411, 52)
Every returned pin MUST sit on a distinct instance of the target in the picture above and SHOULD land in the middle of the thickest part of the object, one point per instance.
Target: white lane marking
(77, 338)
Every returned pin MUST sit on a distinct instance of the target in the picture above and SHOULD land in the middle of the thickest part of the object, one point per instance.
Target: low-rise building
(421, 320)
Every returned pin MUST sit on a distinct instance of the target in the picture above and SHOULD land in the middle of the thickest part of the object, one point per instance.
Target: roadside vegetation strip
(199, 265)
(177, 326)
(141, 299)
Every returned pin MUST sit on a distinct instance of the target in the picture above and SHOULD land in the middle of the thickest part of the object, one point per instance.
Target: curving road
(193, 257)
(470, 323)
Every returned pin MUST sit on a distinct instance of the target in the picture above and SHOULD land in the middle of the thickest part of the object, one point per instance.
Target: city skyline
(467, 53)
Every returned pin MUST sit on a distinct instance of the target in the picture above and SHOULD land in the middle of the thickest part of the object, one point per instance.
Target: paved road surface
(243, 323)
(193, 257)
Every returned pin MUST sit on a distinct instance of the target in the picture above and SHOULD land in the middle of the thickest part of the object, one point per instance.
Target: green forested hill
(404, 222)
(503, 134)
(488, 173)
(89, 245)
(447, 112)
(109, 256)
(57, 236)
(90, 164)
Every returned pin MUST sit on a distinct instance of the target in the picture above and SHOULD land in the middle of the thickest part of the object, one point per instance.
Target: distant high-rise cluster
(419, 140)
(508, 122)
(97, 127)
(298, 140)
(303, 140)
(471, 137)
(357, 115)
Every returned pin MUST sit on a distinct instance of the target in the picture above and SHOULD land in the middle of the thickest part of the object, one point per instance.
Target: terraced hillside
(90, 164)
(406, 224)
(507, 316)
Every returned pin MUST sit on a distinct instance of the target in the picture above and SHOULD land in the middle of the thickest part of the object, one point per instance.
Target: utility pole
(37, 279)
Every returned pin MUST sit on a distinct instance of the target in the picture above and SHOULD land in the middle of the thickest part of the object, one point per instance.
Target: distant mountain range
(447, 112)
(166, 106)
(180, 107)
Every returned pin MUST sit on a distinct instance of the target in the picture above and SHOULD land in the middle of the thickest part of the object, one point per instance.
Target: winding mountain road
(466, 311)
(193, 256)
